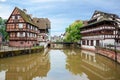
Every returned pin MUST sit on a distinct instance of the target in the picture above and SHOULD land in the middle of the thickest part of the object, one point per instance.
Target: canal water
(59, 64)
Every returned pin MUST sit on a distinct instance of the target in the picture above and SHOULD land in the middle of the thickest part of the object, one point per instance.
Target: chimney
(24, 10)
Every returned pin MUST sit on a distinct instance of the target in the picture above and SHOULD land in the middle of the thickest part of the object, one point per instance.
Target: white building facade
(102, 30)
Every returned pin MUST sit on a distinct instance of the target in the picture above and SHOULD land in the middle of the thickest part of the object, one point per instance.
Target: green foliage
(73, 32)
(3, 29)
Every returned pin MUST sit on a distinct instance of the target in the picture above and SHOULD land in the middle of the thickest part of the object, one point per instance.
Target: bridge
(62, 42)
(51, 44)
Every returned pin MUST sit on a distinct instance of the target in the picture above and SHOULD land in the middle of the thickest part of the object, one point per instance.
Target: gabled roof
(102, 17)
(97, 22)
(42, 23)
(27, 18)
(104, 14)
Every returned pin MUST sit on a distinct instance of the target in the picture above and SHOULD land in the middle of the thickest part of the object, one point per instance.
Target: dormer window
(37, 21)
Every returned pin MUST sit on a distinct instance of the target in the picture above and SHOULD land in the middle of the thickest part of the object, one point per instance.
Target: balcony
(23, 39)
(98, 29)
(21, 30)
(101, 37)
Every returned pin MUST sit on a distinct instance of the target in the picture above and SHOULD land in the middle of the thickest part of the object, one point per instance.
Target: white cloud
(5, 11)
(43, 1)
(2, 0)
(58, 25)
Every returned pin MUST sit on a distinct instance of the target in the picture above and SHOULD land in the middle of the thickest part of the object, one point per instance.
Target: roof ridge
(25, 16)
(105, 12)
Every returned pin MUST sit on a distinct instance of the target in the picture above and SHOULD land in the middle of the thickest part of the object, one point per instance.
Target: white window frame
(18, 34)
(18, 17)
(13, 17)
(23, 34)
(20, 25)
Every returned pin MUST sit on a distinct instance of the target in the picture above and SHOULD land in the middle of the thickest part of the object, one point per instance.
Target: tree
(73, 32)
(3, 29)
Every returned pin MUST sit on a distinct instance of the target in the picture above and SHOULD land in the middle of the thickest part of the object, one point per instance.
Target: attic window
(37, 21)
(13, 17)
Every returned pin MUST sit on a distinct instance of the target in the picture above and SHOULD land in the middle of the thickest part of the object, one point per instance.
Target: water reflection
(25, 67)
(93, 66)
(59, 64)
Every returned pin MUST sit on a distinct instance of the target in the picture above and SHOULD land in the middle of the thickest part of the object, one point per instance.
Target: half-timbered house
(44, 29)
(21, 28)
(102, 29)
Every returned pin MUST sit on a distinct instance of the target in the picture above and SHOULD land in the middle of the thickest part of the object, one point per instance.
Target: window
(83, 42)
(28, 35)
(18, 17)
(36, 29)
(21, 42)
(28, 26)
(20, 25)
(11, 35)
(91, 42)
(13, 17)
(87, 42)
(23, 34)
(32, 35)
(38, 21)
(97, 42)
(18, 34)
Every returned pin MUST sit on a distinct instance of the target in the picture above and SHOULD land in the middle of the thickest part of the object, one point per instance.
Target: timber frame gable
(15, 15)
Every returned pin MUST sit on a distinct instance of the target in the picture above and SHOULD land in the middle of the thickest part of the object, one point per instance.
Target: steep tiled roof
(104, 14)
(97, 22)
(25, 16)
(101, 17)
(42, 23)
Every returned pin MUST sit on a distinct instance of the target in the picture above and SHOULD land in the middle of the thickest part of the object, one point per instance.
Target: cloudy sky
(60, 12)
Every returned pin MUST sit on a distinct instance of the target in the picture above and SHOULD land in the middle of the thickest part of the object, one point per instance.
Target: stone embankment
(108, 53)
(8, 51)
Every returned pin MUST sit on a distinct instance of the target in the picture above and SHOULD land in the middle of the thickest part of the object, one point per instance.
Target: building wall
(21, 30)
(21, 43)
(102, 43)
(108, 41)
(88, 47)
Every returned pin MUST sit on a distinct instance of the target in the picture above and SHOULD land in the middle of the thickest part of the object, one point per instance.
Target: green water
(59, 64)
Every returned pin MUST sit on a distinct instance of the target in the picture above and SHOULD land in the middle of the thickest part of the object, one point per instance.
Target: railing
(22, 38)
(23, 29)
(100, 36)
(97, 29)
